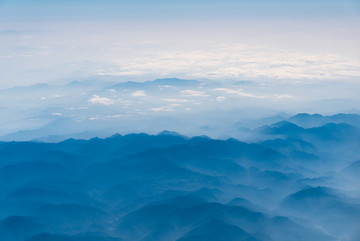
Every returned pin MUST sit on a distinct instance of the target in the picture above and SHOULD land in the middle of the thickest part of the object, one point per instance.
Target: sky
(44, 41)
(305, 49)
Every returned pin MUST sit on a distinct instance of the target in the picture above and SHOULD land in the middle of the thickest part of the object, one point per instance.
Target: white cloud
(118, 73)
(194, 93)
(162, 108)
(105, 117)
(114, 116)
(285, 96)
(239, 92)
(59, 96)
(237, 61)
(138, 93)
(165, 86)
(176, 100)
(101, 100)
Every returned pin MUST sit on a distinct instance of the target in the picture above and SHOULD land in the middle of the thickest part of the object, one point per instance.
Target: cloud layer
(238, 61)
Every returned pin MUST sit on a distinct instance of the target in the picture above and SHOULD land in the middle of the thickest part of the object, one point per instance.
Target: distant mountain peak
(313, 192)
(307, 115)
(284, 123)
(169, 133)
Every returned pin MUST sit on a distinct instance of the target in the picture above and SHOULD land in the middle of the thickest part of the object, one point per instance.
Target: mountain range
(298, 181)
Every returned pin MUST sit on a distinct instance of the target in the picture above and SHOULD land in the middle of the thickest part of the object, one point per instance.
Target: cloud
(242, 93)
(176, 104)
(194, 93)
(101, 100)
(114, 116)
(285, 96)
(239, 92)
(165, 86)
(162, 108)
(58, 96)
(176, 100)
(118, 73)
(236, 61)
(138, 93)
(221, 98)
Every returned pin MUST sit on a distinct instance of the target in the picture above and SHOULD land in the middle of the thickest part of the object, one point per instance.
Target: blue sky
(200, 9)
(57, 41)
